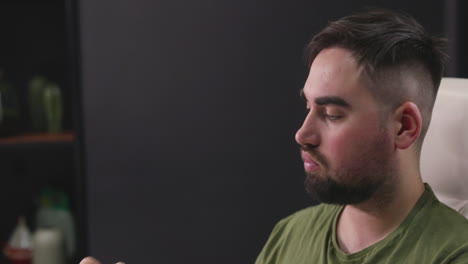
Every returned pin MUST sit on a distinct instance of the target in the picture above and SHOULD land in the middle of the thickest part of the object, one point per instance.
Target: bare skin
(90, 260)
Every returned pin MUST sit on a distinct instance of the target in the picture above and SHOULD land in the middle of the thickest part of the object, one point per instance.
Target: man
(370, 92)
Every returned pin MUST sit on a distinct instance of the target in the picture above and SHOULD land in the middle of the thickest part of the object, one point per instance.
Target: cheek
(345, 144)
(350, 144)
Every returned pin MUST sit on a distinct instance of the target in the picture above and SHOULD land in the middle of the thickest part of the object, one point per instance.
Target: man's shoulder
(320, 210)
(445, 212)
(440, 232)
(444, 221)
(292, 238)
(316, 215)
(440, 213)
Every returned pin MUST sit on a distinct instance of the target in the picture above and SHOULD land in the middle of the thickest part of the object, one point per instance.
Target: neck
(362, 225)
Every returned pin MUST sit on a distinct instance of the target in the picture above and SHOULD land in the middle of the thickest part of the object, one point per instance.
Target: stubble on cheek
(356, 153)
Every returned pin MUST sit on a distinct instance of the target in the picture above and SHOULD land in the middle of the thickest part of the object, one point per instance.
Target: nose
(308, 134)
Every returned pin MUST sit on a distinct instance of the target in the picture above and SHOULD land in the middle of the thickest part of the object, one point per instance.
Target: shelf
(41, 138)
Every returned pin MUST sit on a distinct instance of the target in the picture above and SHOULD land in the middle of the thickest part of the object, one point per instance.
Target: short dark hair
(382, 40)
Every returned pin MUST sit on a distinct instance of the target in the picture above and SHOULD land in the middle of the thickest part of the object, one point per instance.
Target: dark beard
(327, 190)
(374, 177)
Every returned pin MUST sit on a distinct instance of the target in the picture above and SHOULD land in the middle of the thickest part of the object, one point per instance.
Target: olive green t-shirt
(432, 233)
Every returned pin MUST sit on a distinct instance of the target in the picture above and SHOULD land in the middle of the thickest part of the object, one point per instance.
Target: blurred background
(162, 131)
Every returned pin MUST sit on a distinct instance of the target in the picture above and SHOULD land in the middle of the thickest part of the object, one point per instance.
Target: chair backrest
(444, 157)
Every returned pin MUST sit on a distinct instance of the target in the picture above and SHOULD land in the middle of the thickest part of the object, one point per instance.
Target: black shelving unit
(40, 38)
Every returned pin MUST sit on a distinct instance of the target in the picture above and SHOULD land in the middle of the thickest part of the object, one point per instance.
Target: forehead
(335, 72)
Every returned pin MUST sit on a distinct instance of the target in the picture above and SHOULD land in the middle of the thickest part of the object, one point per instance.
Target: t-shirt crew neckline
(388, 240)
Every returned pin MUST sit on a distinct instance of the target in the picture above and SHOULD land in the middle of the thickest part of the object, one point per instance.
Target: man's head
(370, 92)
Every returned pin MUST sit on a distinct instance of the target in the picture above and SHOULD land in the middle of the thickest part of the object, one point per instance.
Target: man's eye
(332, 117)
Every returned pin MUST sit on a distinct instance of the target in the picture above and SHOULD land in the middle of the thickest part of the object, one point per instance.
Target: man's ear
(408, 121)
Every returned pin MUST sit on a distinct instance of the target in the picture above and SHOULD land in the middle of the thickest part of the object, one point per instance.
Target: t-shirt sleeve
(272, 248)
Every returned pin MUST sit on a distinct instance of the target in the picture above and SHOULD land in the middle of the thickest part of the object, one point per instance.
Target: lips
(309, 164)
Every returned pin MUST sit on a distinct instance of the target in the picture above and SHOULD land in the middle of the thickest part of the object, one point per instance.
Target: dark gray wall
(457, 24)
(190, 110)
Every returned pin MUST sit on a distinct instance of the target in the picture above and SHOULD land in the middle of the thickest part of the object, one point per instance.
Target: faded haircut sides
(385, 42)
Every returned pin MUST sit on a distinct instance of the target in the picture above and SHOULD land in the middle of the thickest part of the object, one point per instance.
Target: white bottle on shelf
(48, 246)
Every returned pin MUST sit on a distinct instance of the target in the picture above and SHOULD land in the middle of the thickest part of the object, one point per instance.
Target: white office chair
(444, 157)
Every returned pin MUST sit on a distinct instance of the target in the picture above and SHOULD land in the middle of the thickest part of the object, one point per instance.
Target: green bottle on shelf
(36, 103)
(54, 212)
(53, 108)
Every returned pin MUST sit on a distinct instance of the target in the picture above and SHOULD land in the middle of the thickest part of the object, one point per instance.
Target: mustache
(312, 151)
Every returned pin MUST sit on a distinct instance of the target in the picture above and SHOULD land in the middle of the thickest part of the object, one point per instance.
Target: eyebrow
(328, 100)
(333, 100)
